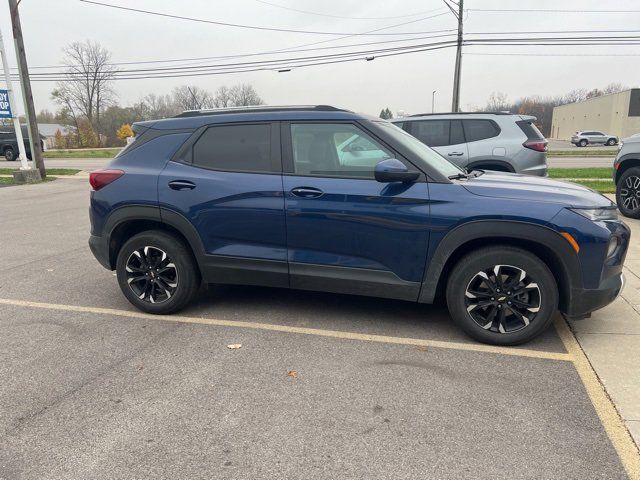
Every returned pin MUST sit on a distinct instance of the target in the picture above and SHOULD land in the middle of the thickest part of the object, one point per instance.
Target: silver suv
(489, 141)
(626, 174)
(596, 137)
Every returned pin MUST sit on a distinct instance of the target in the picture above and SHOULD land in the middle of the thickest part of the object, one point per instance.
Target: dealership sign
(5, 107)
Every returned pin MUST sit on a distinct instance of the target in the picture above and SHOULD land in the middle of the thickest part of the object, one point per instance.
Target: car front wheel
(9, 154)
(628, 193)
(502, 295)
(583, 143)
(157, 272)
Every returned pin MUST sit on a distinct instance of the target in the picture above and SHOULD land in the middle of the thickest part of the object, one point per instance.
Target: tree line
(89, 103)
(542, 106)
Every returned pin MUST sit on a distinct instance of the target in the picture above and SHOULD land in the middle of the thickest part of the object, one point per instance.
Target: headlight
(598, 214)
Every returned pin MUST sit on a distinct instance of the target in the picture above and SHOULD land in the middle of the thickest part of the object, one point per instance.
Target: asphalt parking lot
(324, 386)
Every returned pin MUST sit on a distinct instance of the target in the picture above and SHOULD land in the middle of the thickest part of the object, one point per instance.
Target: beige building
(616, 114)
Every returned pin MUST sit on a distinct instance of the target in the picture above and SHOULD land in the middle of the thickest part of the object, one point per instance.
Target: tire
(611, 142)
(583, 143)
(9, 154)
(628, 193)
(495, 322)
(164, 272)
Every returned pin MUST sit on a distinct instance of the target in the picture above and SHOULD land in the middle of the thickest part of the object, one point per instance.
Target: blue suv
(318, 198)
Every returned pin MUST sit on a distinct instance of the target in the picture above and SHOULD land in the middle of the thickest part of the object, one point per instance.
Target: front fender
(498, 230)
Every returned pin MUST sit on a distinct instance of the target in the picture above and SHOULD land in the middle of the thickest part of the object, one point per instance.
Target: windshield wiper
(458, 176)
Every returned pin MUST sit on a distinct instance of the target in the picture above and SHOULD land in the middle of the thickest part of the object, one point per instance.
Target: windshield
(429, 156)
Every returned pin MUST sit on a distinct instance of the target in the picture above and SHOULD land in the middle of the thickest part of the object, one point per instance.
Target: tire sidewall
(9, 154)
(487, 258)
(633, 171)
(583, 143)
(188, 277)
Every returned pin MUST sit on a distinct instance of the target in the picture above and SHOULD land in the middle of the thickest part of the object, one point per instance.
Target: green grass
(97, 153)
(50, 171)
(602, 186)
(603, 172)
(9, 180)
(584, 152)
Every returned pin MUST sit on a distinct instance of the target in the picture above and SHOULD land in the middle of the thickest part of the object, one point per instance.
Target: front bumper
(584, 301)
(100, 249)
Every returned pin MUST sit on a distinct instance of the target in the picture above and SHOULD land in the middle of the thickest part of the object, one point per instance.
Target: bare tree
(244, 94)
(88, 85)
(152, 107)
(614, 87)
(222, 97)
(498, 102)
(190, 97)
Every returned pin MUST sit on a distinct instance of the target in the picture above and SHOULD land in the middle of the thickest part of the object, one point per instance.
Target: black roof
(260, 109)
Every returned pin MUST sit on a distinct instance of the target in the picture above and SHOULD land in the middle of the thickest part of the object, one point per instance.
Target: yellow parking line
(613, 424)
(473, 347)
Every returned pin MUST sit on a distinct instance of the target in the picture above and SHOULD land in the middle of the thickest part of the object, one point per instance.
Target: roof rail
(259, 108)
(461, 113)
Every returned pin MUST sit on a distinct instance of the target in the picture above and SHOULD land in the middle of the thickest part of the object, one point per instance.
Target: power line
(331, 47)
(529, 54)
(542, 10)
(607, 40)
(237, 25)
(307, 12)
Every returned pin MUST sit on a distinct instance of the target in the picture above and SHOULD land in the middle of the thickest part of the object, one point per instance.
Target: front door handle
(181, 185)
(307, 192)
(455, 154)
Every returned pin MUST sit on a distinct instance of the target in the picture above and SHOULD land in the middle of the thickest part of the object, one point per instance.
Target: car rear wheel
(9, 154)
(157, 272)
(502, 295)
(611, 142)
(583, 143)
(628, 193)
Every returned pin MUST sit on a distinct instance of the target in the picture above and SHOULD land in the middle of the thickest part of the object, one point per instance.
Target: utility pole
(30, 111)
(455, 104)
(12, 104)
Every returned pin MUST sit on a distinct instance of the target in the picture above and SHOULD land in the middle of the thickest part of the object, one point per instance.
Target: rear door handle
(307, 192)
(455, 154)
(181, 185)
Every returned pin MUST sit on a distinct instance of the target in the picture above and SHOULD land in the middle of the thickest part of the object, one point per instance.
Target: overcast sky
(402, 82)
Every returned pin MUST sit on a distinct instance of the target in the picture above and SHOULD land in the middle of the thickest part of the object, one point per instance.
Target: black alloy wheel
(628, 193)
(503, 299)
(151, 274)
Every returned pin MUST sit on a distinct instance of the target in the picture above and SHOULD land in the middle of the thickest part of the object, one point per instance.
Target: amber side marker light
(572, 241)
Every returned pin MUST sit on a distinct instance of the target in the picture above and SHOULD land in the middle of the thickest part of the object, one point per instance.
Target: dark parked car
(267, 196)
(626, 174)
(9, 143)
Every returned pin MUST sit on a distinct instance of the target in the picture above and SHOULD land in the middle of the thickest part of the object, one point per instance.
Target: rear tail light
(536, 145)
(102, 178)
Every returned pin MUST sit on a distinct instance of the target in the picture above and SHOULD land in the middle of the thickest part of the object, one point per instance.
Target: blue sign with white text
(5, 107)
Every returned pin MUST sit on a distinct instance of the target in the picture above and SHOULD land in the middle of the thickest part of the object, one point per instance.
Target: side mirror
(393, 170)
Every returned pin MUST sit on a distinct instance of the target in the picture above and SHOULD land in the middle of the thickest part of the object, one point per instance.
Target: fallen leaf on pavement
(234, 346)
(292, 373)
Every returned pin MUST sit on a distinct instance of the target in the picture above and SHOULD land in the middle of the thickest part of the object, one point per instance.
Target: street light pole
(27, 95)
(433, 101)
(12, 103)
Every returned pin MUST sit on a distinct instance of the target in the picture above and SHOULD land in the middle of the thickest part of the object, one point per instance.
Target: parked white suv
(586, 137)
(487, 141)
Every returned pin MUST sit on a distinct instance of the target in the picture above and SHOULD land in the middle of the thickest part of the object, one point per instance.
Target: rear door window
(239, 148)
(434, 133)
(478, 129)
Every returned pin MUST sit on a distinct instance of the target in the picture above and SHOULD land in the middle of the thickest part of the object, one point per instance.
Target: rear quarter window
(478, 129)
(240, 148)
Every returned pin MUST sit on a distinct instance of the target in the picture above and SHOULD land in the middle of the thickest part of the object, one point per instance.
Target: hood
(536, 189)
